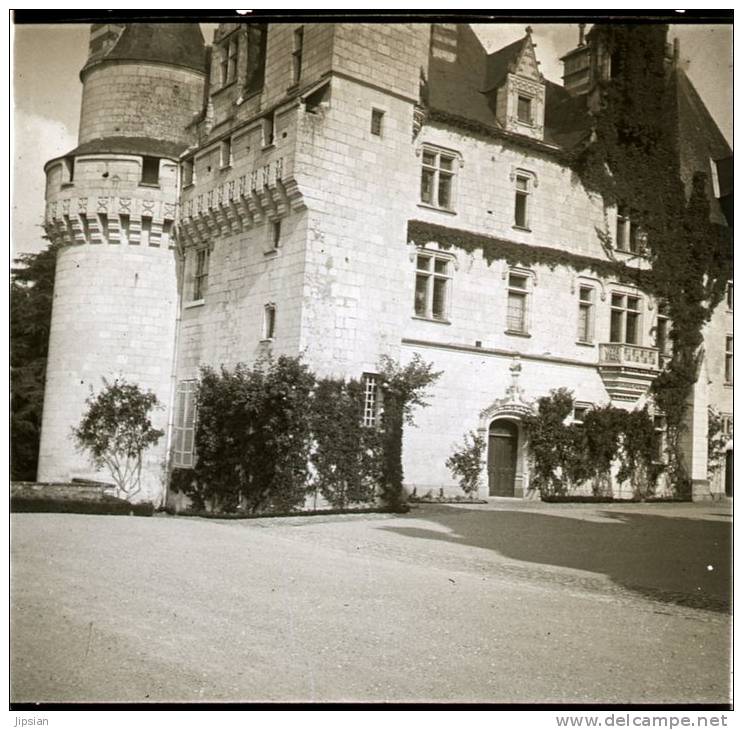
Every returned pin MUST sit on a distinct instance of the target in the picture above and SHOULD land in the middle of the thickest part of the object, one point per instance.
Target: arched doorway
(503, 441)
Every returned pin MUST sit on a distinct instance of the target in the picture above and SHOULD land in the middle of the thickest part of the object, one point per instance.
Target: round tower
(110, 204)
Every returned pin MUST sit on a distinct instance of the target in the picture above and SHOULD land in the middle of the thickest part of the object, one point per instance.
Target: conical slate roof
(176, 44)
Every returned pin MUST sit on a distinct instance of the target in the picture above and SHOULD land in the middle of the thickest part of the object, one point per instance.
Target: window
(585, 314)
(188, 173)
(201, 275)
(370, 416)
(225, 152)
(69, 164)
(662, 340)
(184, 424)
(228, 60)
(437, 178)
(267, 130)
(269, 321)
(256, 71)
(659, 439)
(625, 319)
(432, 281)
(727, 424)
(518, 292)
(629, 234)
(729, 295)
(521, 204)
(376, 122)
(275, 234)
(523, 111)
(729, 360)
(297, 54)
(579, 413)
(150, 171)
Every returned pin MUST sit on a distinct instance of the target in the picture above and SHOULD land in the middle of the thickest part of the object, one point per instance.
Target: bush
(465, 463)
(116, 430)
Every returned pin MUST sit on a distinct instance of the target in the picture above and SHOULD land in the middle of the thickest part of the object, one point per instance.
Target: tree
(116, 430)
(465, 463)
(31, 295)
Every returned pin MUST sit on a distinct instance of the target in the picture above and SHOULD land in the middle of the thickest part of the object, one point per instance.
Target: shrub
(116, 430)
(465, 463)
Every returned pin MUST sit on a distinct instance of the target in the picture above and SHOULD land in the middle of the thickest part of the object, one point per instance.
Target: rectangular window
(521, 206)
(622, 228)
(662, 340)
(269, 321)
(625, 319)
(188, 173)
(150, 171)
(275, 234)
(432, 282)
(659, 439)
(370, 417)
(225, 152)
(256, 57)
(376, 122)
(184, 424)
(267, 130)
(517, 299)
(729, 359)
(437, 179)
(69, 163)
(579, 414)
(201, 274)
(585, 314)
(524, 109)
(228, 60)
(729, 295)
(297, 54)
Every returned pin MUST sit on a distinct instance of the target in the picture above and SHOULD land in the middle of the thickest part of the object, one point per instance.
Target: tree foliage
(31, 295)
(465, 463)
(116, 430)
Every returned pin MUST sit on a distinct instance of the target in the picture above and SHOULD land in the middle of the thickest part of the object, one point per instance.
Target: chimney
(444, 41)
(581, 35)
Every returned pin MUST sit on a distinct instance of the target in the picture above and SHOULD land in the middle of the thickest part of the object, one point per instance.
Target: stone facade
(309, 204)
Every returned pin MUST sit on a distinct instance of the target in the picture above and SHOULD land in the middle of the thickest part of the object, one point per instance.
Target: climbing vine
(611, 445)
(634, 160)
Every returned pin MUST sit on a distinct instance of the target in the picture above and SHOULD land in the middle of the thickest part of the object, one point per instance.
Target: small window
(521, 204)
(69, 164)
(516, 312)
(370, 417)
(625, 319)
(275, 234)
(585, 314)
(729, 295)
(432, 282)
(437, 178)
(376, 122)
(269, 321)
(579, 413)
(524, 109)
(297, 54)
(267, 130)
(201, 275)
(228, 59)
(188, 173)
(659, 439)
(729, 360)
(225, 152)
(256, 57)
(662, 340)
(630, 236)
(150, 171)
(184, 425)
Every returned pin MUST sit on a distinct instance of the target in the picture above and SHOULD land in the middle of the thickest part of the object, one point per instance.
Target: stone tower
(110, 204)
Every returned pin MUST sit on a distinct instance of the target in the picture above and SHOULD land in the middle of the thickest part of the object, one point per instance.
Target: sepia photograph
(377, 360)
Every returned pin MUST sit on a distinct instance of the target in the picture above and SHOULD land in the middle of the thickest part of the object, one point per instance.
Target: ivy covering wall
(270, 435)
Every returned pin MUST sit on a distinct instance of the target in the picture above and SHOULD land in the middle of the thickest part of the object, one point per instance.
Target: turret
(110, 204)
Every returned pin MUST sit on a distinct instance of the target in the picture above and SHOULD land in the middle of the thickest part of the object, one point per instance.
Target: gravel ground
(504, 602)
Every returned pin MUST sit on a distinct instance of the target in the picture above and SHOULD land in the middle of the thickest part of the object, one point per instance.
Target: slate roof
(466, 89)
(144, 146)
(177, 44)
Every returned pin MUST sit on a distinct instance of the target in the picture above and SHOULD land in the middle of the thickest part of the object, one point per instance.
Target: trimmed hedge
(599, 499)
(308, 513)
(106, 506)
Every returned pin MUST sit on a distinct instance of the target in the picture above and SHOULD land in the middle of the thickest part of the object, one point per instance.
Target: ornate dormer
(514, 81)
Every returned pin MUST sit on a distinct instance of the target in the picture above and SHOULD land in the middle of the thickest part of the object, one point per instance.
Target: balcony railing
(631, 356)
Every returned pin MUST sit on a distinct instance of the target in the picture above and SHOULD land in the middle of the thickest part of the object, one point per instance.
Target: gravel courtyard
(504, 602)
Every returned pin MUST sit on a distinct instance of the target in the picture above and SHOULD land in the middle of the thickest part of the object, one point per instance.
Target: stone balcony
(627, 370)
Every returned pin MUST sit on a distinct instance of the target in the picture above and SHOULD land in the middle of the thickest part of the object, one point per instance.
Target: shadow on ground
(680, 560)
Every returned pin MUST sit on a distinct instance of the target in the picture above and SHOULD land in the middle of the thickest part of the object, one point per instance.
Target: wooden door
(502, 446)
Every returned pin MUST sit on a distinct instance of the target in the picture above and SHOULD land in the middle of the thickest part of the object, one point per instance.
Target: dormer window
(228, 60)
(524, 111)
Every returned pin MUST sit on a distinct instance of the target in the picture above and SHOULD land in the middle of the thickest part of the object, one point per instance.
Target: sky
(46, 94)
